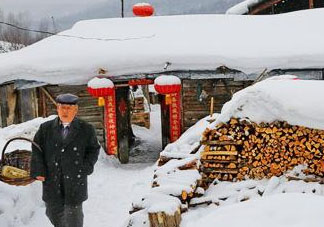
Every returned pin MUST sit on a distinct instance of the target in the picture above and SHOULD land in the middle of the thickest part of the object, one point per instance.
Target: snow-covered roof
(243, 7)
(193, 42)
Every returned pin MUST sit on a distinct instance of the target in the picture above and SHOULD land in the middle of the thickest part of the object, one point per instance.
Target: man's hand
(40, 178)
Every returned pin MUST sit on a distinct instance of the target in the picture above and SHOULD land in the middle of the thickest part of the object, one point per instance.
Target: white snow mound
(299, 102)
(280, 210)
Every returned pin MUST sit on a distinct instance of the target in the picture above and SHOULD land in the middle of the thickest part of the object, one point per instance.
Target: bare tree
(43, 26)
(18, 35)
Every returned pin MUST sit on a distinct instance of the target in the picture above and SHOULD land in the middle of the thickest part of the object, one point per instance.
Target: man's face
(66, 112)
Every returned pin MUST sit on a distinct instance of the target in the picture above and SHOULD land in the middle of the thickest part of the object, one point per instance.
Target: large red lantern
(100, 87)
(167, 84)
(143, 10)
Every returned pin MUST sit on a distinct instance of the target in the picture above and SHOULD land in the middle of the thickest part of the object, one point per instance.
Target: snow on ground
(299, 102)
(112, 186)
(189, 42)
(282, 210)
(148, 142)
(111, 189)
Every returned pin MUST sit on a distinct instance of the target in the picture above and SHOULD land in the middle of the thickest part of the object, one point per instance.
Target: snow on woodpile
(298, 210)
(191, 42)
(188, 141)
(244, 196)
(299, 102)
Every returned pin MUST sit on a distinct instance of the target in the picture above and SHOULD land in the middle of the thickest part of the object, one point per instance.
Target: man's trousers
(62, 215)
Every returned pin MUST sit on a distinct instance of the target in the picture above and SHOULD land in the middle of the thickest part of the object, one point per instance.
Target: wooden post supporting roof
(262, 6)
(311, 4)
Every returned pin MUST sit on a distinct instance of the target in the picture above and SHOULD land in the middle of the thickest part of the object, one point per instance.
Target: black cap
(67, 99)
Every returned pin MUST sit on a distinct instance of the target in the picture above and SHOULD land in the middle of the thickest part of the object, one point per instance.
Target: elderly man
(70, 150)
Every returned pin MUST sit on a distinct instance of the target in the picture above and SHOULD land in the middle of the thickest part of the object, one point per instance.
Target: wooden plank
(123, 126)
(165, 122)
(203, 160)
(220, 170)
(210, 82)
(27, 104)
(3, 105)
(12, 102)
(212, 153)
(311, 4)
(216, 142)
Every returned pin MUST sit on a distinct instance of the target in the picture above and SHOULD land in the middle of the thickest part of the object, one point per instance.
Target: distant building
(264, 7)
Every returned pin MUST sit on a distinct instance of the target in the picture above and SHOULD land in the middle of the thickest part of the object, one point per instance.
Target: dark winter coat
(65, 163)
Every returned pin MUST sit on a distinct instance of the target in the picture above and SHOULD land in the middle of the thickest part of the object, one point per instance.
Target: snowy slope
(299, 102)
(282, 210)
(192, 42)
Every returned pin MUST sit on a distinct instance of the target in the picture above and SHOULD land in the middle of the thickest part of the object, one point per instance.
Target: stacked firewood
(241, 148)
(185, 165)
(139, 116)
(175, 179)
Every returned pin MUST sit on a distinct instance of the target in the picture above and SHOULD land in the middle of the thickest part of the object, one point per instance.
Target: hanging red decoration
(167, 89)
(167, 84)
(100, 87)
(143, 10)
(104, 90)
(134, 82)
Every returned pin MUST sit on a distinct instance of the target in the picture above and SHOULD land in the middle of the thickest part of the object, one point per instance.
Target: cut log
(161, 219)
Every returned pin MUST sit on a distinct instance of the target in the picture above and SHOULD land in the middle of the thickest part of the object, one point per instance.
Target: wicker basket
(20, 159)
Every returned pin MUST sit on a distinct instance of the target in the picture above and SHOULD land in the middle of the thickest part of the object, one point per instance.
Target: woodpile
(162, 219)
(176, 178)
(139, 116)
(242, 149)
(185, 196)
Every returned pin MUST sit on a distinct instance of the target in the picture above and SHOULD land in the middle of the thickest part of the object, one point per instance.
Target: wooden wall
(195, 108)
(17, 105)
(88, 107)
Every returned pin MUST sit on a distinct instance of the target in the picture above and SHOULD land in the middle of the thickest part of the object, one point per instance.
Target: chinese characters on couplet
(175, 119)
(111, 126)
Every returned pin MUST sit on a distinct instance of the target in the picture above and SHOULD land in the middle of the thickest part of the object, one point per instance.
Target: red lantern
(100, 92)
(143, 10)
(167, 89)
(167, 84)
(100, 87)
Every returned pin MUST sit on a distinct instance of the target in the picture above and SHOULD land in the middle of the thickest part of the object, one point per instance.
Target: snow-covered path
(148, 143)
(112, 186)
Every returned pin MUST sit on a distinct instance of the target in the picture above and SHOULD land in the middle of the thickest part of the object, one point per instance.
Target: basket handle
(18, 138)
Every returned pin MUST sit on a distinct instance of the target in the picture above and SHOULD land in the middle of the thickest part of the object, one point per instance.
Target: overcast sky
(48, 8)
(67, 12)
